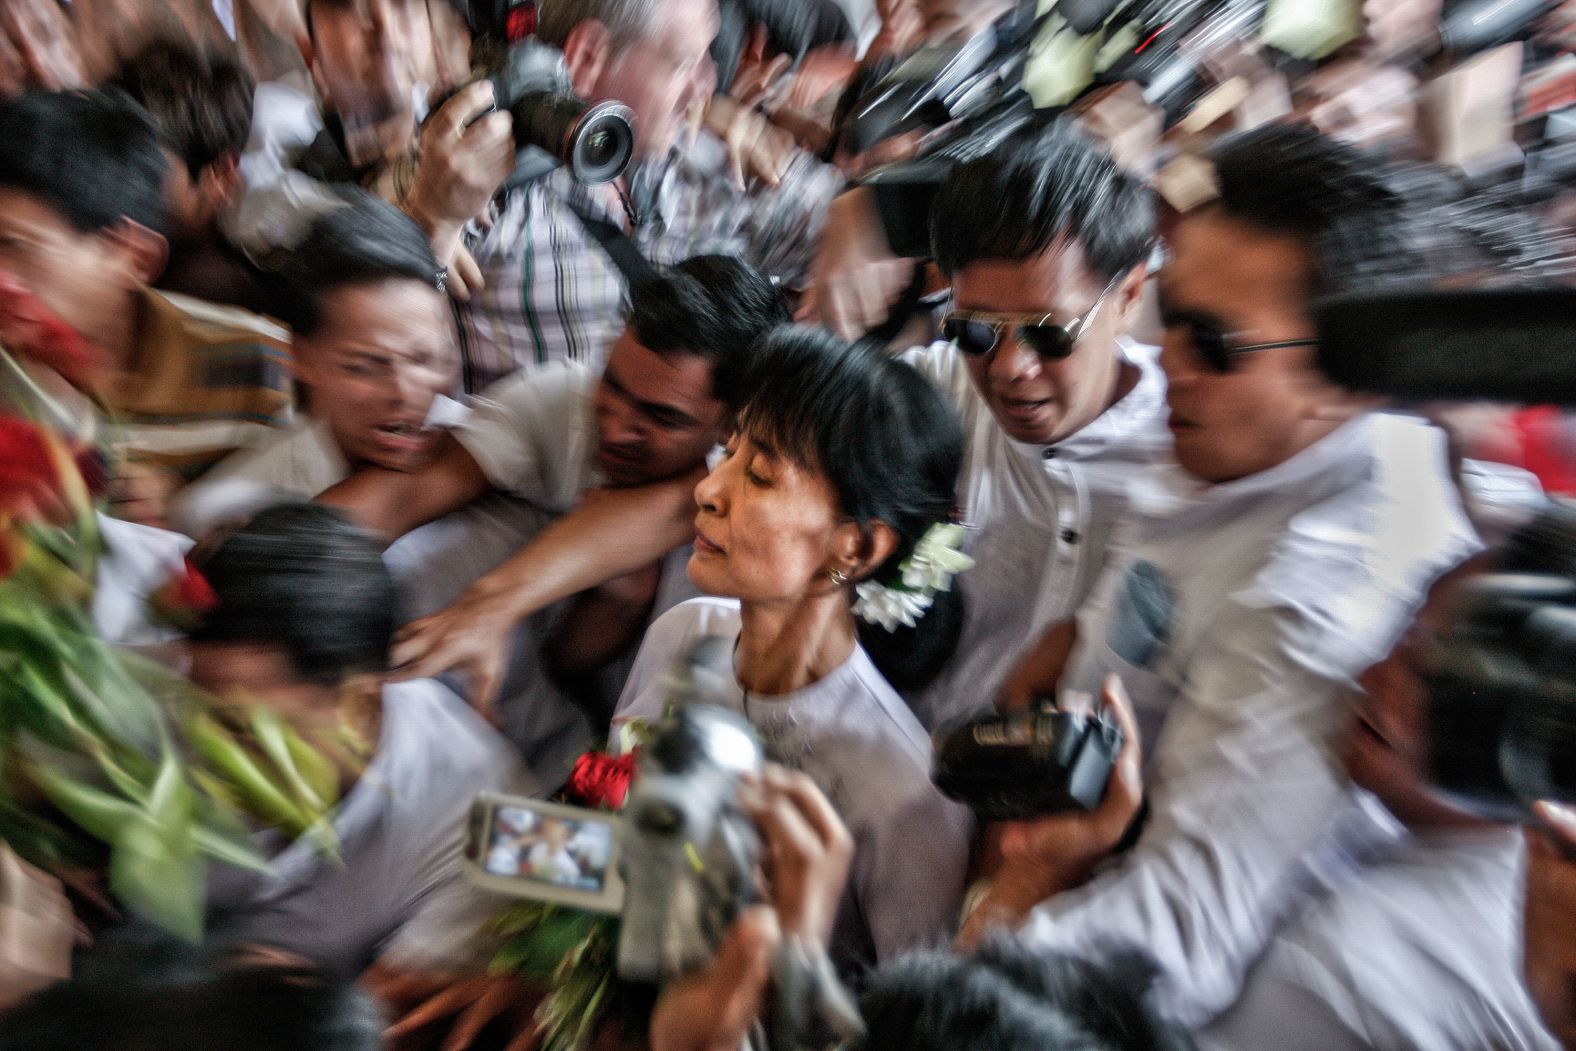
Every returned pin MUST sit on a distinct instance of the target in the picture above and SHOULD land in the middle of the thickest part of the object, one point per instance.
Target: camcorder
(1011, 767)
(1501, 709)
(1502, 696)
(677, 865)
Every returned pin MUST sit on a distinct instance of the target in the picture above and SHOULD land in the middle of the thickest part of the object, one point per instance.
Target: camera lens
(601, 143)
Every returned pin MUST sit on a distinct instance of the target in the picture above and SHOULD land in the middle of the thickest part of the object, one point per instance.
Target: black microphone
(1488, 344)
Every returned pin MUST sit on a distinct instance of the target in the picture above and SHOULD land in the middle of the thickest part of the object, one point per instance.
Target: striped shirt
(208, 380)
(552, 292)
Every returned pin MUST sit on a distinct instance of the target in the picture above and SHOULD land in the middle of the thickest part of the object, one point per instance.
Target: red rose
(600, 780)
(193, 590)
(184, 598)
(29, 478)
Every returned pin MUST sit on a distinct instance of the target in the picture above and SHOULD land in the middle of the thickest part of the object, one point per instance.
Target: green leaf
(101, 814)
(225, 757)
(273, 737)
(236, 852)
(156, 871)
(171, 803)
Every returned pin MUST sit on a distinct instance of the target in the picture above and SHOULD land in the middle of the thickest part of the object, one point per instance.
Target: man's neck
(784, 648)
(119, 335)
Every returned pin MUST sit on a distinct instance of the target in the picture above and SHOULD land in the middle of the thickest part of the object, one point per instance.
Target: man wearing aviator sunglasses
(1045, 242)
(1263, 569)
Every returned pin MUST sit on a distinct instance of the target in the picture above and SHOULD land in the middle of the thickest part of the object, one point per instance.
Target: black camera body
(552, 126)
(1502, 697)
(1010, 767)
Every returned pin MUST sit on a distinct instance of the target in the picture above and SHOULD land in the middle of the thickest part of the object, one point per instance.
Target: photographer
(551, 290)
(1413, 944)
(1276, 558)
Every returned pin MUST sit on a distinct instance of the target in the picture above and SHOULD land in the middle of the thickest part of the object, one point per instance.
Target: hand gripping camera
(677, 865)
(554, 127)
(1010, 767)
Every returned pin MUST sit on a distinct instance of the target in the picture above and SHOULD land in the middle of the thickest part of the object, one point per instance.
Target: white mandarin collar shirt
(1042, 519)
(1236, 619)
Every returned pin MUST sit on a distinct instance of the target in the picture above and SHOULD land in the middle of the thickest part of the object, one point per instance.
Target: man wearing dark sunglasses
(1273, 560)
(1045, 242)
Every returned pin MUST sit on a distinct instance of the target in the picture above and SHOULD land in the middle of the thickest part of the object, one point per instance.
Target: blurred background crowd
(392, 392)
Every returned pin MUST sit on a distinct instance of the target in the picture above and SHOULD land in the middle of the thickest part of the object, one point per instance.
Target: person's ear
(859, 552)
(145, 251)
(587, 54)
(219, 182)
(1129, 296)
(303, 360)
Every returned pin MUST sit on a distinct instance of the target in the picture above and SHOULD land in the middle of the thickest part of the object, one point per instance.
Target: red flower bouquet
(600, 780)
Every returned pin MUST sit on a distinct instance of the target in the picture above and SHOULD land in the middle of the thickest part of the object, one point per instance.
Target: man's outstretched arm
(613, 533)
(390, 504)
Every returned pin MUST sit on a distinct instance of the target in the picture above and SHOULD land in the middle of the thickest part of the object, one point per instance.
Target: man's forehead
(1056, 279)
(673, 378)
(1215, 257)
(691, 22)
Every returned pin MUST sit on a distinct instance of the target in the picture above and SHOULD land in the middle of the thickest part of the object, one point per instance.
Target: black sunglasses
(1215, 347)
(978, 332)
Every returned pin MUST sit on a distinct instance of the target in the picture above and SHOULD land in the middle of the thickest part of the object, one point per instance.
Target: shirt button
(1069, 536)
(1049, 452)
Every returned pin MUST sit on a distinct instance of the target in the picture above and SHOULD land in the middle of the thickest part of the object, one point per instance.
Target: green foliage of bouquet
(108, 761)
(574, 954)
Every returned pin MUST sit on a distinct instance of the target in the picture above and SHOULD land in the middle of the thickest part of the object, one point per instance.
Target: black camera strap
(618, 245)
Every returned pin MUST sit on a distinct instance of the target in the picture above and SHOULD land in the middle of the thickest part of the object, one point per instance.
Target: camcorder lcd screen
(573, 853)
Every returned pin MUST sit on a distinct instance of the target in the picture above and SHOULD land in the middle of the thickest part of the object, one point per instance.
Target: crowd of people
(464, 457)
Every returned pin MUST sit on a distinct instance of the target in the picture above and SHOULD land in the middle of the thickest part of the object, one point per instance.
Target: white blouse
(856, 739)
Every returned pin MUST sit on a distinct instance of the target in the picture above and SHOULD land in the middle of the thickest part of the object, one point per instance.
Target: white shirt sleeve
(1242, 785)
(529, 433)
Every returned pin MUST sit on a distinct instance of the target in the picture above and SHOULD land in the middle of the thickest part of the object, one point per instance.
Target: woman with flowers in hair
(825, 533)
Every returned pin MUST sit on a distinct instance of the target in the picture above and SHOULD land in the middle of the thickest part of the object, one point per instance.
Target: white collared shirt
(1042, 521)
(534, 434)
(1235, 619)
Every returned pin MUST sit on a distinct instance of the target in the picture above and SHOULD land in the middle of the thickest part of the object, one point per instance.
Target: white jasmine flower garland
(934, 562)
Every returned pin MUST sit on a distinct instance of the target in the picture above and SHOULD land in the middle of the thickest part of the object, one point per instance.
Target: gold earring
(838, 577)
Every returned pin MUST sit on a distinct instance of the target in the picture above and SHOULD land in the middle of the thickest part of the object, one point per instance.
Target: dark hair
(1336, 199)
(1020, 199)
(201, 102)
(131, 995)
(92, 156)
(710, 306)
(1008, 998)
(890, 446)
(361, 241)
(1547, 544)
(302, 577)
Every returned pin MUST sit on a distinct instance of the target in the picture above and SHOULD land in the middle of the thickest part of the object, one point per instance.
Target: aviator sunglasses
(978, 332)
